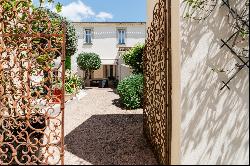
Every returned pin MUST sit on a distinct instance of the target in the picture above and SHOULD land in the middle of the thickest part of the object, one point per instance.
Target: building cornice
(109, 23)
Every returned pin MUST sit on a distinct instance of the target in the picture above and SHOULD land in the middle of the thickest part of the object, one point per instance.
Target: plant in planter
(88, 62)
(72, 86)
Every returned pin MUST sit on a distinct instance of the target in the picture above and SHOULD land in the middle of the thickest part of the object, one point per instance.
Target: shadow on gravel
(118, 103)
(111, 139)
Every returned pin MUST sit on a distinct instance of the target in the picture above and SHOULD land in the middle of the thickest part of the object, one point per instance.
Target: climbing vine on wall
(238, 17)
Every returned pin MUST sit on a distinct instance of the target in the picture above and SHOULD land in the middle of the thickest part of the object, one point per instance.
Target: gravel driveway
(99, 132)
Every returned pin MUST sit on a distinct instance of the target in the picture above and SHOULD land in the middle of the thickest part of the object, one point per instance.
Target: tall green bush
(130, 91)
(134, 58)
(88, 62)
(68, 62)
(71, 36)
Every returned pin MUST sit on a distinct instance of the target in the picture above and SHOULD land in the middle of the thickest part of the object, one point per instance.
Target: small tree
(88, 62)
(134, 58)
(71, 36)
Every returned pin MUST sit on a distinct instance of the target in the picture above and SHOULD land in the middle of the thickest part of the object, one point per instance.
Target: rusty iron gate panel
(32, 74)
(157, 82)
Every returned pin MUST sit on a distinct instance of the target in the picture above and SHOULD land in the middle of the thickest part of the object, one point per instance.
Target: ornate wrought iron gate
(32, 55)
(157, 82)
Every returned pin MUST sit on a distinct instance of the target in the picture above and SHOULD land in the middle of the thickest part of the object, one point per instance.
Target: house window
(121, 36)
(88, 36)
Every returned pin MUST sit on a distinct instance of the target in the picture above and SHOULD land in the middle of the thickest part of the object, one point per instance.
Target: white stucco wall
(215, 124)
(105, 42)
(123, 70)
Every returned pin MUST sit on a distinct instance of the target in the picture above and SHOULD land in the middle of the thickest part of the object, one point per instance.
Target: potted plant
(57, 93)
(72, 85)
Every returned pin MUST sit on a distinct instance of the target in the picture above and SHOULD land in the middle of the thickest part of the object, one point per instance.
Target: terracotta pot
(57, 95)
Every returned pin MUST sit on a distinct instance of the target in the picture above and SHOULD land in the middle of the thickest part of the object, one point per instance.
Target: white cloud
(49, 6)
(78, 11)
(103, 16)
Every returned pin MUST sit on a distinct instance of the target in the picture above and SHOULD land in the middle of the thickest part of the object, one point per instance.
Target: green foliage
(134, 58)
(8, 5)
(42, 59)
(130, 91)
(68, 63)
(71, 37)
(58, 7)
(194, 3)
(88, 62)
(72, 82)
(58, 4)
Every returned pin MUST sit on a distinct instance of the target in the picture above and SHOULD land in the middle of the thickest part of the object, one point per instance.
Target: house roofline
(110, 23)
(126, 22)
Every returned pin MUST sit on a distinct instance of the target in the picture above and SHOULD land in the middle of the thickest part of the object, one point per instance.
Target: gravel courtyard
(99, 132)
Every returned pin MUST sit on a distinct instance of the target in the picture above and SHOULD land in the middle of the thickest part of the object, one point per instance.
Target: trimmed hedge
(130, 91)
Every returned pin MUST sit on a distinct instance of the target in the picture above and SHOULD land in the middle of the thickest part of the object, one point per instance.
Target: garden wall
(215, 123)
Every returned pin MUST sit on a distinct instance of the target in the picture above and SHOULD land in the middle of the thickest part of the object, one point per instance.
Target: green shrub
(68, 62)
(134, 58)
(130, 91)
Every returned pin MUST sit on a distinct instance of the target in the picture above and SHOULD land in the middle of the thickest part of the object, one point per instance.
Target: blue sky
(103, 10)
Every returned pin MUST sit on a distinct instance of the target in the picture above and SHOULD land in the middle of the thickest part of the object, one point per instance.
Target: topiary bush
(130, 90)
(88, 62)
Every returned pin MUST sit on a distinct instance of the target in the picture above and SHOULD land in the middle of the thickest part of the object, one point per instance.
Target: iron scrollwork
(157, 82)
(31, 113)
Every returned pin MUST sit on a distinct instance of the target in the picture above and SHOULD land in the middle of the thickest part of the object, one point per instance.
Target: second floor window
(121, 36)
(88, 36)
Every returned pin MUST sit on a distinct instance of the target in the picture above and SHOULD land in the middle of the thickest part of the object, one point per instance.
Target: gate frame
(62, 62)
(168, 90)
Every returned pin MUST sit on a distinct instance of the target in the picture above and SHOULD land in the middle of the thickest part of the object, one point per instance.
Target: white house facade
(109, 40)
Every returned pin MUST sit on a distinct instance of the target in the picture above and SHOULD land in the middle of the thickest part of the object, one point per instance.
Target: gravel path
(101, 133)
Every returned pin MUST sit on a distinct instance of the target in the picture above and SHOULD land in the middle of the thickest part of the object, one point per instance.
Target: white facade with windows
(105, 39)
